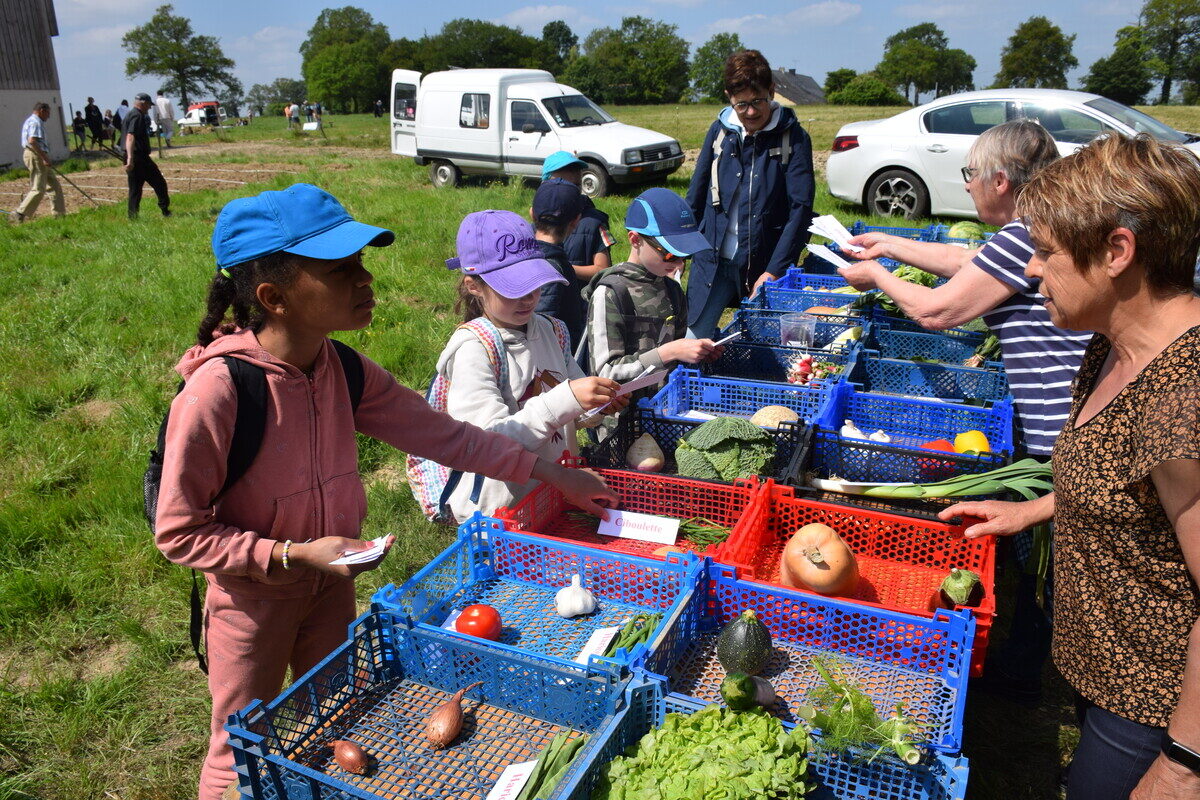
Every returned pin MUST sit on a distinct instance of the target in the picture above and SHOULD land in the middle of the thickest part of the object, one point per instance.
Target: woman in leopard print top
(1116, 228)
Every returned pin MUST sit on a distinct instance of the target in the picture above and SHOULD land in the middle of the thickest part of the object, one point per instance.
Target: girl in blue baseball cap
(269, 535)
(507, 368)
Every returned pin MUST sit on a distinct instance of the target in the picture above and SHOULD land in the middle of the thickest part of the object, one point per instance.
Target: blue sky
(263, 36)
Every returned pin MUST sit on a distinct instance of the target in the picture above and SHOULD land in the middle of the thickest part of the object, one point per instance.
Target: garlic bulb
(574, 600)
(880, 436)
(851, 431)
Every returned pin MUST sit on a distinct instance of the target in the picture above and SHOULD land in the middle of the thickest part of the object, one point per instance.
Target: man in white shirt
(37, 161)
(166, 116)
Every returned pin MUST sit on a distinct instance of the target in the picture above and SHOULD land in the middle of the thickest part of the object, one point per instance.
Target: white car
(911, 164)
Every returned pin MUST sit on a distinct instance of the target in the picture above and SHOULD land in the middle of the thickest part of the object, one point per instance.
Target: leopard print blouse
(1125, 602)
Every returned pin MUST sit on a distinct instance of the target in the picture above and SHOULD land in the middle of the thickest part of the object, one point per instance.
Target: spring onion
(1027, 478)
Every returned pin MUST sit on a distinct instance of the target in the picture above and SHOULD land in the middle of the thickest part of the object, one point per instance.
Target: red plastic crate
(901, 560)
(545, 512)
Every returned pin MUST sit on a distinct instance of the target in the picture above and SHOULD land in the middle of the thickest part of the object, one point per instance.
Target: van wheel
(898, 192)
(595, 181)
(443, 174)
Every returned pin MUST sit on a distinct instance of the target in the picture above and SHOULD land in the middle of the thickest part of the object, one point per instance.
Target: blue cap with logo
(301, 219)
(560, 159)
(661, 213)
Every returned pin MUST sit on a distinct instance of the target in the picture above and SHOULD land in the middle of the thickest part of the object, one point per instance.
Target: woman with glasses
(1040, 358)
(752, 193)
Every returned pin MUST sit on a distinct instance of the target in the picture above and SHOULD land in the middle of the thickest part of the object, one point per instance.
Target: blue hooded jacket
(774, 204)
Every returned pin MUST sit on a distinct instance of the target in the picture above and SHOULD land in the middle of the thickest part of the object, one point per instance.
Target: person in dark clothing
(139, 166)
(752, 191)
(555, 212)
(589, 244)
(79, 130)
(95, 121)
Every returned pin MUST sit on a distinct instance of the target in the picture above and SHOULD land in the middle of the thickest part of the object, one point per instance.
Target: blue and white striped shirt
(1041, 359)
(33, 129)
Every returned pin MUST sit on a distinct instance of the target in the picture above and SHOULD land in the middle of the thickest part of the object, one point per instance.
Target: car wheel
(443, 174)
(898, 192)
(595, 181)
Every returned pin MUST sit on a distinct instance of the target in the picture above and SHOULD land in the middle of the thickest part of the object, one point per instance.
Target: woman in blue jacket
(752, 192)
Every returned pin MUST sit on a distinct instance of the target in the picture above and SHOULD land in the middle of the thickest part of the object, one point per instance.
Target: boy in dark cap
(556, 208)
(588, 245)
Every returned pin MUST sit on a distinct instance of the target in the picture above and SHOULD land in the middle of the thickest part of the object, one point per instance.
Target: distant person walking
(378, 108)
(95, 121)
(139, 166)
(294, 115)
(37, 161)
(118, 118)
(79, 130)
(166, 116)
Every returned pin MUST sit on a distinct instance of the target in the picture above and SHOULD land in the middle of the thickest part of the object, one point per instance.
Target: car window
(1142, 123)
(523, 112)
(970, 119)
(473, 113)
(404, 104)
(1066, 124)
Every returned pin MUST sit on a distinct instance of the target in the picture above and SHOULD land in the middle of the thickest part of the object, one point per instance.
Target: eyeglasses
(968, 173)
(663, 253)
(757, 102)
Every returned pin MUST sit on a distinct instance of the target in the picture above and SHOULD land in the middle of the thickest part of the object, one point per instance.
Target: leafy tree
(920, 58)
(1125, 75)
(837, 79)
(957, 72)
(166, 46)
(1038, 54)
(708, 66)
(643, 61)
(471, 43)
(270, 96)
(343, 62)
(559, 38)
(866, 90)
(1172, 29)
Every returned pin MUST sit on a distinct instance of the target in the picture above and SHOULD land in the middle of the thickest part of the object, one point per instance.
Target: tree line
(347, 60)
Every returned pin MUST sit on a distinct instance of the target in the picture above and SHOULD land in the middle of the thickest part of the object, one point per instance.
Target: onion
(350, 757)
(444, 723)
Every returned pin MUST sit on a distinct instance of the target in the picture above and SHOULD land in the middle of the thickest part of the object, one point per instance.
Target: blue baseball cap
(301, 219)
(557, 201)
(661, 213)
(560, 160)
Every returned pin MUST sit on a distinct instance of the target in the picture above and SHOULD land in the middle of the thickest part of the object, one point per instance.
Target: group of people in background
(293, 111)
(94, 129)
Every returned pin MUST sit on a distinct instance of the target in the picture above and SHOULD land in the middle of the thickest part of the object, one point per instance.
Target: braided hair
(235, 288)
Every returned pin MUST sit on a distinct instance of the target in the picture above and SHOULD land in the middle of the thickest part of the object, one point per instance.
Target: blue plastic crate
(893, 656)
(518, 574)
(758, 324)
(874, 462)
(799, 280)
(952, 347)
(791, 442)
(911, 422)
(762, 362)
(929, 233)
(919, 379)
(376, 690)
(935, 777)
(689, 391)
(779, 298)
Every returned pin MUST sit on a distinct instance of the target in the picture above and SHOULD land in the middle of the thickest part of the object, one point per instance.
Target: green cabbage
(966, 230)
(714, 753)
(724, 449)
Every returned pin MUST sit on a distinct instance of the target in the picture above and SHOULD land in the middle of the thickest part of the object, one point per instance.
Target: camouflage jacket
(635, 313)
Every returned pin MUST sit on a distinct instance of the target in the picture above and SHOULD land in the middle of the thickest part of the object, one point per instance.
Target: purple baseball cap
(500, 248)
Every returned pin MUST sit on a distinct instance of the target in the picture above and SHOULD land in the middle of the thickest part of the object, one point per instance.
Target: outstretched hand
(581, 487)
(318, 554)
(1000, 517)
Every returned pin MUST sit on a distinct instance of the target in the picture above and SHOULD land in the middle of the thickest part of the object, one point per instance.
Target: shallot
(444, 723)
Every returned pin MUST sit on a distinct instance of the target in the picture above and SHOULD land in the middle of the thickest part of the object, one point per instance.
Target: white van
(506, 121)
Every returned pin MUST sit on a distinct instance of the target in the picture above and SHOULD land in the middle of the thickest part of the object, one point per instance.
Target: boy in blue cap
(588, 245)
(637, 313)
(556, 210)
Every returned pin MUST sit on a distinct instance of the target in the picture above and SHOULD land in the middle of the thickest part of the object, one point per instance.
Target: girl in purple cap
(289, 272)
(506, 368)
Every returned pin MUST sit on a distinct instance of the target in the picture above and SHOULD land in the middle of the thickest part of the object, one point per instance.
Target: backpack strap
(714, 182)
(352, 366)
(784, 151)
(564, 336)
(250, 384)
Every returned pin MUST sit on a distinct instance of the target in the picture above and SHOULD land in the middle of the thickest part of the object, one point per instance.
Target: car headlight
(676, 149)
(631, 156)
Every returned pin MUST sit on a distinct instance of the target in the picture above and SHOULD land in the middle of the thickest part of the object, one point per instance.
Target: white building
(29, 74)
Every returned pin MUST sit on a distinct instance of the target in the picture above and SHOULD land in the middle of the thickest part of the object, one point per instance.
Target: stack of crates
(545, 675)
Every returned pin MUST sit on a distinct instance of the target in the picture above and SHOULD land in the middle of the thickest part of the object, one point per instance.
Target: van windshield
(575, 110)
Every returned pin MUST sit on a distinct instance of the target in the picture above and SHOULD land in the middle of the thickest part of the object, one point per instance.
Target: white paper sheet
(827, 254)
(364, 556)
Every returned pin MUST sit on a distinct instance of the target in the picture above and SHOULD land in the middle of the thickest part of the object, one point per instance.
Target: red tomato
(479, 620)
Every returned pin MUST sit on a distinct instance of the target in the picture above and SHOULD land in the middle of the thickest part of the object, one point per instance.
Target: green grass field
(99, 695)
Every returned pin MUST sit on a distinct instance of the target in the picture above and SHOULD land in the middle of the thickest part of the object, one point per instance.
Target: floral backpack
(431, 483)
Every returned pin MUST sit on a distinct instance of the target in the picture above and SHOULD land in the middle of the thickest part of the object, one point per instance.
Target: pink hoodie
(304, 483)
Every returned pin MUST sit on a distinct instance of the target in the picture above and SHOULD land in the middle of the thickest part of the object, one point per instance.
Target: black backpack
(250, 384)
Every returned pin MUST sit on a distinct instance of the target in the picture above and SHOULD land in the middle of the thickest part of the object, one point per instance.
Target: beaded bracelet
(286, 547)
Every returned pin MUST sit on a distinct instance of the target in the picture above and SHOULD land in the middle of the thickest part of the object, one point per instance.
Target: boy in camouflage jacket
(637, 313)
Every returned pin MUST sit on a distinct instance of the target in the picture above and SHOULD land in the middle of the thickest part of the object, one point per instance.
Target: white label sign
(596, 645)
(632, 525)
(511, 781)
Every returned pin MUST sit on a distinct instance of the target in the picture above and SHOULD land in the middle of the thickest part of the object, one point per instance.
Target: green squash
(744, 645)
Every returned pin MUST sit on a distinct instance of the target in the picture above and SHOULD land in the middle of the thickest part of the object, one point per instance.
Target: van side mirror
(528, 127)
